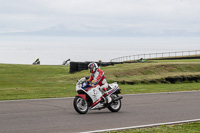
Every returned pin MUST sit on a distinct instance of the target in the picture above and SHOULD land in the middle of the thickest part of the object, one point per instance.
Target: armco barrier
(163, 55)
(79, 66)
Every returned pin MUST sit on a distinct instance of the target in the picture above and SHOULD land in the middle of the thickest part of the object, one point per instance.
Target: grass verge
(35, 81)
(184, 128)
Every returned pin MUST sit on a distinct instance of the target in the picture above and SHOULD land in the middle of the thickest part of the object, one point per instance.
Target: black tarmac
(59, 116)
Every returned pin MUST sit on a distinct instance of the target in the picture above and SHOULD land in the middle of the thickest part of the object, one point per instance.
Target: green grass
(137, 72)
(31, 81)
(185, 128)
(40, 81)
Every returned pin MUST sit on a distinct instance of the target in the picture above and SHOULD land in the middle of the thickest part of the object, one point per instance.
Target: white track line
(122, 95)
(142, 126)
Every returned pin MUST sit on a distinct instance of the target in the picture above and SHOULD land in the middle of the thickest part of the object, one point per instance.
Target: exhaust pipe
(117, 98)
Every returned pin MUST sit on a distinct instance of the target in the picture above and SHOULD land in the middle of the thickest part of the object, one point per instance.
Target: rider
(99, 78)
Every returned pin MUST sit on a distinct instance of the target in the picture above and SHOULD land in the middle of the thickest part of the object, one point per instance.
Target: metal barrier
(156, 55)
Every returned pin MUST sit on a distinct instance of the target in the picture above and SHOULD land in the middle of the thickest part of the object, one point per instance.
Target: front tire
(115, 106)
(80, 105)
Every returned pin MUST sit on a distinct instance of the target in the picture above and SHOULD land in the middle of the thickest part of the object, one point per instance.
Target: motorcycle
(90, 97)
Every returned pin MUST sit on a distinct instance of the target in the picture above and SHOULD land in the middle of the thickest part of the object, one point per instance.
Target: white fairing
(79, 84)
(78, 87)
(114, 85)
(95, 93)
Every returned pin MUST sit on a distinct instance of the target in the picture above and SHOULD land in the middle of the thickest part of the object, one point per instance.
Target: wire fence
(156, 55)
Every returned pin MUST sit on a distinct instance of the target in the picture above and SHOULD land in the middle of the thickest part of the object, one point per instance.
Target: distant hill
(62, 30)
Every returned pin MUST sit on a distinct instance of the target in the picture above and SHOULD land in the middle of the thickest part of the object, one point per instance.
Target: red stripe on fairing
(112, 91)
(97, 101)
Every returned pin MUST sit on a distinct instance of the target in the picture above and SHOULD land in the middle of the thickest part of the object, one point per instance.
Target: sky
(31, 29)
(100, 17)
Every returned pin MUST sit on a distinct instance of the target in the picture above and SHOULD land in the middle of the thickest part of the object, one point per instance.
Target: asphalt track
(59, 116)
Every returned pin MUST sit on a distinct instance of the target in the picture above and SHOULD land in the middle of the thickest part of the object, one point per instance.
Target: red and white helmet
(93, 67)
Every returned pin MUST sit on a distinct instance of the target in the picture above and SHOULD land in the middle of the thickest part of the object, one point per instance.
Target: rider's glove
(94, 82)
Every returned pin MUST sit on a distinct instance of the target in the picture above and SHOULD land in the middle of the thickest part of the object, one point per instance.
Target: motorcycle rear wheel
(116, 105)
(80, 105)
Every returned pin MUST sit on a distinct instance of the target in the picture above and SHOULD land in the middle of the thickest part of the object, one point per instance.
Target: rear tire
(80, 105)
(116, 105)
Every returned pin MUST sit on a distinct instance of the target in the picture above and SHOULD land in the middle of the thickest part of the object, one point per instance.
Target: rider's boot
(109, 99)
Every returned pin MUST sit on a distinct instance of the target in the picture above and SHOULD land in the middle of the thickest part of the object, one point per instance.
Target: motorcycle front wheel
(80, 105)
(116, 105)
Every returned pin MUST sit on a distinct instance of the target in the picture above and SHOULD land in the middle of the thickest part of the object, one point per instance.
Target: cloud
(127, 16)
